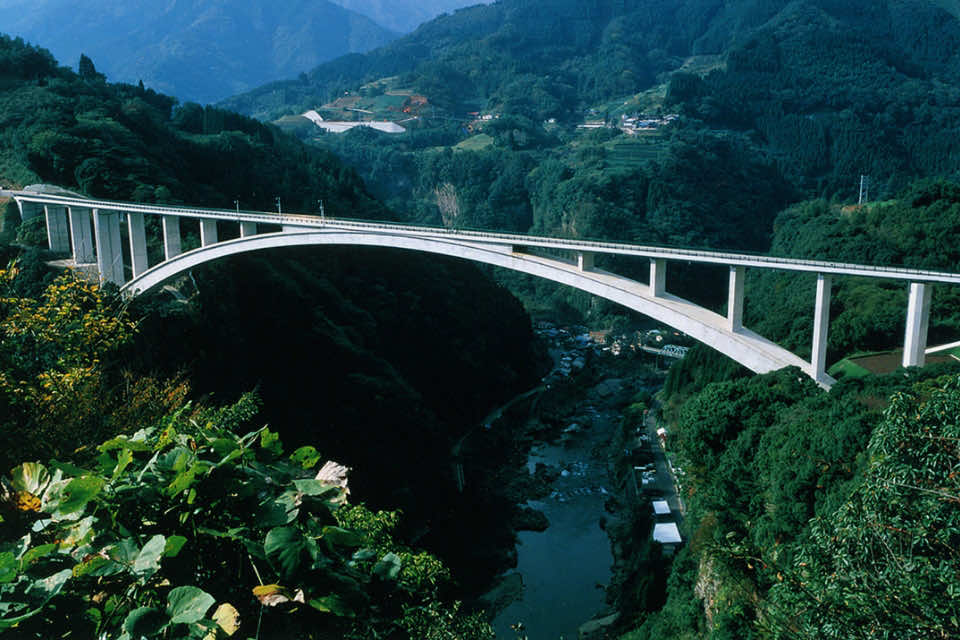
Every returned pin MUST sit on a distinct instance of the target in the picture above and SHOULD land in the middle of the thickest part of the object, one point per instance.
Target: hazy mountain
(404, 15)
(200, 50)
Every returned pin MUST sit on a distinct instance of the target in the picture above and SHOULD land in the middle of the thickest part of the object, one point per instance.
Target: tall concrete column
(208, 232)
(106, 228)
(821, 325)
(584, 260)
(58, 230)
(658, 276)
(171, 236)
(137, 234)
(735, 299)
(81, 236)
(248, 229)
(918, 319)
(29, 210)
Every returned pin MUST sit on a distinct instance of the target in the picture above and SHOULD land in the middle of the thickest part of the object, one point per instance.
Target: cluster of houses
(630, 124)
(634, 124)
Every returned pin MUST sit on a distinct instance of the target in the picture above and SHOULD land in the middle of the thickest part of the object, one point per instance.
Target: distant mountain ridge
(404, 15)
(196, 50)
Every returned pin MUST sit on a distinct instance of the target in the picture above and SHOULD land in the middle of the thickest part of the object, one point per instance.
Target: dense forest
(129, 417)
(810, 514)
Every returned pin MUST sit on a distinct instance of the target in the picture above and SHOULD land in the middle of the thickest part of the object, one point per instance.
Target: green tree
(885, 563)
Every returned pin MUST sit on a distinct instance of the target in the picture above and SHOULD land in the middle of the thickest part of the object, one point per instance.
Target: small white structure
(339, 126)
(661, 508)
(666, 533)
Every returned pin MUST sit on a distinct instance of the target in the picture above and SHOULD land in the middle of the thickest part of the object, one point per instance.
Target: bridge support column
(208, 232)
(248, 229)
(80, 235)
(658, 277)
(30, 210)
(106, 226)
(821, 325)
(584, 260)
(171, 237)
(138, 243)
(735, 299)
(918, 319)
(58, 230)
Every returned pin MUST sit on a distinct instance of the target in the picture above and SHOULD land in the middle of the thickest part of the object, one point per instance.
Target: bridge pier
(136, 231)
(81, 237)
(171, 237)
(208, 232)
(58, 230)
(821, 326)
(735, 299)
(29, 210)
(585, 260)
(248, 229)
(106, 225)
(918, 320)
(658, 277)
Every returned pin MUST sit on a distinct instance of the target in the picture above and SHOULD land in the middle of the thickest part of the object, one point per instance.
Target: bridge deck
(519, 241)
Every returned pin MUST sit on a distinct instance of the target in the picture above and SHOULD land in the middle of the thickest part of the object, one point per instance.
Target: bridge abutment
(81, 237)
(918, 320)
(58, 229)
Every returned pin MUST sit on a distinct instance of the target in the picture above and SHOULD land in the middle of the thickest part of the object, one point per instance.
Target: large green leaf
(173, 546)
(31, 477)
(278, 511)
(186, 605)
(74, 497)
(148, 560)
(333, 604)
(306, 457)
(50, 586)
(311, 487)
(145, 622)
(8, 567)
(284, 547)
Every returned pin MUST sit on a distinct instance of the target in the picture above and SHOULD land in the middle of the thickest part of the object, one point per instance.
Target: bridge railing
(517, 239)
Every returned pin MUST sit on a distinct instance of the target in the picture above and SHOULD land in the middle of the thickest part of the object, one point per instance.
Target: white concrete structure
(724, 333)
(666, 533)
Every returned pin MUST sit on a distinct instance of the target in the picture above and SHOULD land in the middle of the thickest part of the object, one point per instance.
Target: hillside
(196, 50)
(403, 16)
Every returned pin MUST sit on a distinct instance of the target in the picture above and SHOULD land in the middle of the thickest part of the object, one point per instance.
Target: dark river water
(565, 567)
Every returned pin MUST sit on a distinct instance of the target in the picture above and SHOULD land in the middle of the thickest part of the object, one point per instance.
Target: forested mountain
(197, 50)
(403, 16)
(380, 360)
(810, 515)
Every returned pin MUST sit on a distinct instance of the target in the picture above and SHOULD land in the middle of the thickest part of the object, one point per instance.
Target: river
(565, 568)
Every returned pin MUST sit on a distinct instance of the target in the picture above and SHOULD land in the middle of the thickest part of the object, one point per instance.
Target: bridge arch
(749, 348)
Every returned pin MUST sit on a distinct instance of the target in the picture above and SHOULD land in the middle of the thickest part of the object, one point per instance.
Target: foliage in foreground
(188, 530)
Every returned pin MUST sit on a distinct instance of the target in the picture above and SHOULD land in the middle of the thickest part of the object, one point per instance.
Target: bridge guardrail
(597, 246)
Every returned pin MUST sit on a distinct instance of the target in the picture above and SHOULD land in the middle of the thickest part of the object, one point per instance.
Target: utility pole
(320, 202)
(864, 189)
(279, 210)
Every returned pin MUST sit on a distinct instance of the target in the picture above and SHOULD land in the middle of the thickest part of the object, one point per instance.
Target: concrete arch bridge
(89, 230)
